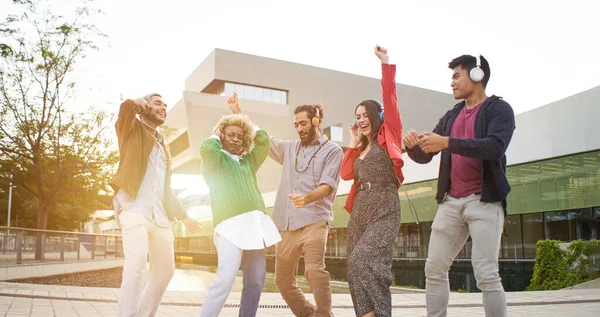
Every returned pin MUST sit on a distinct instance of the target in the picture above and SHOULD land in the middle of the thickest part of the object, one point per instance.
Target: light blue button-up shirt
(305, 169)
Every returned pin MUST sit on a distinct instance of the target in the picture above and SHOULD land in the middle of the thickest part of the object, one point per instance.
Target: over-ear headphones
(381, 117)
(315, 120)
(477, 73)
(380, 108)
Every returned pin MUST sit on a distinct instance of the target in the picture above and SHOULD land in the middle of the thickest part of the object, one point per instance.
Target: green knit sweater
(233, 186)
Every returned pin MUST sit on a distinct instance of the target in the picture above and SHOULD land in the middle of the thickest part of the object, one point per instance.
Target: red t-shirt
(465, 174)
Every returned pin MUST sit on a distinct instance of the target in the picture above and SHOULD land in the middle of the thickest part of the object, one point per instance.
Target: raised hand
(142, 106)
(354, 137)
(234, 104)
(382, 54)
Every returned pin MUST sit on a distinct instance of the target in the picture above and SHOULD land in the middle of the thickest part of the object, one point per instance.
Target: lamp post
(6, 237)
(10, 187)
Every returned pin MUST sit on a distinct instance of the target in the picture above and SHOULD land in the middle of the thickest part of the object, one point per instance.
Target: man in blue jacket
(472, 186)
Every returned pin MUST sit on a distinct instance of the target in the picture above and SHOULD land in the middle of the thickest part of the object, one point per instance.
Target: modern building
(554, 157)
(269, 91)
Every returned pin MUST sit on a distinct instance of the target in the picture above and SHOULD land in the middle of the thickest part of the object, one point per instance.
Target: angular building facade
(554, 158)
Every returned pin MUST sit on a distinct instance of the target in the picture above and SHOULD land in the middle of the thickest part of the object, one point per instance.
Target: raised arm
(127, 119)
(347, 169)
(261, 149)
(210, 152)
(388, 90)
(276, 149)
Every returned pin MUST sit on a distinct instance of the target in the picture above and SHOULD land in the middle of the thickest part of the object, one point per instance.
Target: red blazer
(389, 135)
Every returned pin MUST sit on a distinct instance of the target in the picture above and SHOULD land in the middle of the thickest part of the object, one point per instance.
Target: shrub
(557, 268)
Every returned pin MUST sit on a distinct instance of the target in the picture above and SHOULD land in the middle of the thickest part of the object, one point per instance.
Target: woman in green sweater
(230, 159)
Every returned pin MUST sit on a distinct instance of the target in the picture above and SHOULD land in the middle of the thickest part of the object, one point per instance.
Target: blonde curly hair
(239, 121)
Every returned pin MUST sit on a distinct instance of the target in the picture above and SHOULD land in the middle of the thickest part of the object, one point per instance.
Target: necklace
(310, 160)
(158, 138)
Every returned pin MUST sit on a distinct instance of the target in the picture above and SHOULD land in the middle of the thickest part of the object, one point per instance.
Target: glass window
(530, 198)
(255, 93)
(258, 93)
(576, 223)
(512, 242)
(276, 96)
(530, 173)
(250, 92)
(592, 221)
(412, 240)
(533, 231)
(548, 171)
(268, 95)
(592, 172)
(548, 195)
(228, 89)
(239, 89)
(512, 174)
(342, 236)
(571, 191)
(465, 252)
(577, 164)
(557, 226)
(425, 232)
(399, 251)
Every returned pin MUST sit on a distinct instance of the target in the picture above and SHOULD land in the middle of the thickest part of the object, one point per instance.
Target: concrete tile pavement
(70, 301)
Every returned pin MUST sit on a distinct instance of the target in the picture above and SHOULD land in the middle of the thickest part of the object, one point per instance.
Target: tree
(61, 159)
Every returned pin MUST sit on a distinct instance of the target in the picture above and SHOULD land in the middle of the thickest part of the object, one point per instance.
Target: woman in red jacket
(374, 161)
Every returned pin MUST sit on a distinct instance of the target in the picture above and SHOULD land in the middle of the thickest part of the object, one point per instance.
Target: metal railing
(24, 245)
(337, 243)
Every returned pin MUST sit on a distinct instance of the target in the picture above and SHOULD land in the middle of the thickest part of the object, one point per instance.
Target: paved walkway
(50, 300)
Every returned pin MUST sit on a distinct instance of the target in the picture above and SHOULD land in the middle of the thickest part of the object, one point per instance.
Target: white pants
(143, 289)
(231, 258)
(455, 220)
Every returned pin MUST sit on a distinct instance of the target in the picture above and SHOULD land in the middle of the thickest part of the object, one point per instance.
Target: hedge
(556, 268)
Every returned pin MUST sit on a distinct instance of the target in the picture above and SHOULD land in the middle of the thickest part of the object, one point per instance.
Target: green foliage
(556, 268)
(61, 161)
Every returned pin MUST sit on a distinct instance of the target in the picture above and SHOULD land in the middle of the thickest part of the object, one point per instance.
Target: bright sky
(539, 51)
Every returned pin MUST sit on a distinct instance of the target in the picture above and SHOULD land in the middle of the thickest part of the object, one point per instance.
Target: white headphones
(477, 73)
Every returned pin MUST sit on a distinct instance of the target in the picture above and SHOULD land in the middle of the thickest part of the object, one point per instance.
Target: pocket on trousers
(129, 220)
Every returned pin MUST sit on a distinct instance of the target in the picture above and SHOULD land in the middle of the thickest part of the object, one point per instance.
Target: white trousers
(231, 258)
(143, 285)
